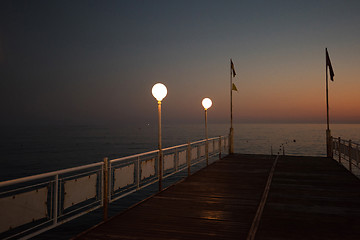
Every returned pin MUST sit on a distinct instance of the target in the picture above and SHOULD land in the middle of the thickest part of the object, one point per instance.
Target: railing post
(271, 150)
(198, 152)
(331, 147)
(228, 141)
(339, 149)
(350, 167)
(207, 152)
(176, 160)
(357, 155)
(160, 157)
(106, 188)
(188, 157)
(138, 172)
(231, 147)
(219, 147)
(56, 198)
(213, 148)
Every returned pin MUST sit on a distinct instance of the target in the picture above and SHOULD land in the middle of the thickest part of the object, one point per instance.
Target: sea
(30, 150)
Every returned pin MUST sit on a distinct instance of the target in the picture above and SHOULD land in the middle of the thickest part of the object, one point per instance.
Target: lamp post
(159, 92)
(206, 102)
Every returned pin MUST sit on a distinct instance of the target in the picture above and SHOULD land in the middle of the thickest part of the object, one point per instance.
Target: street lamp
(159, 92)
(206, 102)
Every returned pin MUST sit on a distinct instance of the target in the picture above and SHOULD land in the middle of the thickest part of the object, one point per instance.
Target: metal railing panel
(60, 196)
(79, 190)
(182, 157)
(49, 174)
(194, 153)
(30, 205)
(169, 161)
(40, 202)
(124, 176)
(347, 153)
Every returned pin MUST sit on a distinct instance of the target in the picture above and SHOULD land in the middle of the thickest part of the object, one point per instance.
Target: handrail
(164, 149)
(48, 174)
(66, 194)
(196, 142)
(133, 156)
(174, 147)
(346, 150)
(63, 171)
(204, 140)
(345, 140)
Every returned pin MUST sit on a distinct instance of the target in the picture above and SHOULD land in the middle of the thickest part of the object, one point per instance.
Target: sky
(95, 62)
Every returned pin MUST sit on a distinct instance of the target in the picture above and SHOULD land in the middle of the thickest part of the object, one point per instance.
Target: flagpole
(327, 95)
(231, 145)
(328, 133)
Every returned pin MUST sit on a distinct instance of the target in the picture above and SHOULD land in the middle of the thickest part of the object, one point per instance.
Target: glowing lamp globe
(159, 91)
(206, 102)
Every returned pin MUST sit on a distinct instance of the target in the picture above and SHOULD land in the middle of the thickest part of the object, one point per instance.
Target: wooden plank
(217, 202)
(311, 198)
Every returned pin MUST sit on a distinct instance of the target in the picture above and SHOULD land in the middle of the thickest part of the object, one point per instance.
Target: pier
(247, 197)
(238, 196)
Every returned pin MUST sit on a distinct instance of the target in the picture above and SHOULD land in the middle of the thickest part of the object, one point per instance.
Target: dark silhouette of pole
(327, 95)
(328, 132)
(206, 102)
(207, 143)
(159, 91)
(160, 147)
(231, 145)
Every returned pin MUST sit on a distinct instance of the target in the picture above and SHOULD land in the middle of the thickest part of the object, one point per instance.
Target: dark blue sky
(86, 62)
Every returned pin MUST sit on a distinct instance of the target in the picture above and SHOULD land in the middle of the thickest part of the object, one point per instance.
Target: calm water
(31, 150)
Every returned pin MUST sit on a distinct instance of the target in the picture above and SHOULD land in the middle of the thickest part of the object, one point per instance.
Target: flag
(232, 68)
(328, 64)
(234, 87)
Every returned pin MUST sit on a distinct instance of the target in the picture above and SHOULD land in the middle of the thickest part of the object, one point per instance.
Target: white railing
(348, 154)
(35, 204)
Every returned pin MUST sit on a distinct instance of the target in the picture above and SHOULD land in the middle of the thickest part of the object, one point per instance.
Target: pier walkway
(247, 197)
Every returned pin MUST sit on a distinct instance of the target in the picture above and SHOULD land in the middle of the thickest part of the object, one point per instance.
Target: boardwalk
(309, 198)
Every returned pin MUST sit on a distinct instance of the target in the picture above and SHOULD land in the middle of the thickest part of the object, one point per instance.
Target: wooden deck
(309, 198)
